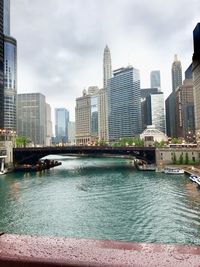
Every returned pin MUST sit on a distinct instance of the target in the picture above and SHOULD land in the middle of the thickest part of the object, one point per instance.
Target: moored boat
(193, 177)
(171, 170)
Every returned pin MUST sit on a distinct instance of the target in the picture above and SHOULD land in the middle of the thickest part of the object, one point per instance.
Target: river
(101, 198)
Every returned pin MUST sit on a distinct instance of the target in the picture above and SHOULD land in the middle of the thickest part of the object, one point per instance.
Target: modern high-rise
(107, 66)
(155, 112)
(124, 106)
(71, 133)
(86, 118)
(6, 19)
(10, 83)
(176, 73)
(61, 125)
(155, 79)
(102, 118)
(10, 73)
(196, 79)
(1, 64)
(31, 117)
(49, 132)
(170, 103)
(185, 121)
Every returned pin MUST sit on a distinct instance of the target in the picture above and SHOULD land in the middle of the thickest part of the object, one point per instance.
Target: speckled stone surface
(16, 250)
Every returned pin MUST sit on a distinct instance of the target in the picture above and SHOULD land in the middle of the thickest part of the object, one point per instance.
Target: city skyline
(64, 51)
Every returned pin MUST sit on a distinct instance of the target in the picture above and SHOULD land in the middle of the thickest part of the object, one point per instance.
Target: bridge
(32, 155)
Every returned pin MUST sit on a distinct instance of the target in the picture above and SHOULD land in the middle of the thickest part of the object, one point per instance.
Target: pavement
(22, 250)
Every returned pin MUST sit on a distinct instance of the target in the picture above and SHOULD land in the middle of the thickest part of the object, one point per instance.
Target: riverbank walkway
(19, 250)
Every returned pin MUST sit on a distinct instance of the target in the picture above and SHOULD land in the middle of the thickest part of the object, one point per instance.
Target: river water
(101, 198)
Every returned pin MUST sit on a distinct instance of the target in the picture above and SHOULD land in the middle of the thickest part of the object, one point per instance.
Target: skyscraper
(10, 72)
(6, 19)
(196, 79)
(155, 79)
(176, 73)
(107, 66)
(86, 117)
(1, 65)
(124, 107)
(155, 111)
(31, 119)
(61, 127)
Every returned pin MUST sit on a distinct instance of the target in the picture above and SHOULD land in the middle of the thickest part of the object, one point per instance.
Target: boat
(171, 170)
(198, 181)
(146, 167)
(193, 178)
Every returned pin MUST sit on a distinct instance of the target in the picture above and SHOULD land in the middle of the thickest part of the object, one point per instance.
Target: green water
(101, 199)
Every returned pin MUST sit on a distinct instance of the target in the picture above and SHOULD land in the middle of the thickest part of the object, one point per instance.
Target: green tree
(174, 158)
(22, 141)
(181, 159)
(186, 158)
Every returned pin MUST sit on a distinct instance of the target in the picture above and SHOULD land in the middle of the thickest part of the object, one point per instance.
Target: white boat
(198, 181)
(171, 170)
(193, 177)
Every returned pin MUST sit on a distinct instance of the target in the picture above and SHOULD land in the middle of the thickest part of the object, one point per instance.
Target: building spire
(107, 66)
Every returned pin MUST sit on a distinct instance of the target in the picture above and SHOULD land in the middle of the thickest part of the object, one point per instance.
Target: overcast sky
(61, 42)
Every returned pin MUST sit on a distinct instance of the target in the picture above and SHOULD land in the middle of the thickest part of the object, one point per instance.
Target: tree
(186, 158)
(174, 158)
(22, 141)
(181, 159)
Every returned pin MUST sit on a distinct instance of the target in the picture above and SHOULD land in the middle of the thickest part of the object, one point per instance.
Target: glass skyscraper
(1, 65)
(155, 111)
(176, 73)
(124, 107)
(10, 72)
(155, 79)
(61, 127)
(31, 119)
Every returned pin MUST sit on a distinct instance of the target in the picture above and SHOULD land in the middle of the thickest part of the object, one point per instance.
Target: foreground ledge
(18, 250)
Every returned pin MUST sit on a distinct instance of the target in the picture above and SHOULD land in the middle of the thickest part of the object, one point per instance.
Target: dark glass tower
(1, 65)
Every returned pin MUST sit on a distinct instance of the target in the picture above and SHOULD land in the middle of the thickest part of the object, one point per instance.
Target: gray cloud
(61, 42)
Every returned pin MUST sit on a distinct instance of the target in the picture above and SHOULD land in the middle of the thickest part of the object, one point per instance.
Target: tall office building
(71, 133)
(185, 121)
(102, 118)
(6, 17)
(107, 66)
(31, 117)
(176, 73)
(124, 107)
(170, 109)
(155, 113)
(196, 79)
(1, 64)
(143, 94)
(10, 83)
(86, 118)
(10, 73)
(155, 79)
(49, 132)
(61, 127)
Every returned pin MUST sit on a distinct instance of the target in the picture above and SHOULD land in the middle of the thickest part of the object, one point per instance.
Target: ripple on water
(103, 199)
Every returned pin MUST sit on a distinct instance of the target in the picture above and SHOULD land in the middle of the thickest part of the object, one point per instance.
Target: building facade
(124, 105)
(71, 133)
(10, 83)
(176, 73)
(155, 111)
(107, 66)
(1, 64)
(196, 79)
(102, 115)
(184, 101)
(6, 17)
(86, 118)
(49, 132)
(31, 117)
(155, 79)
(61, 125)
